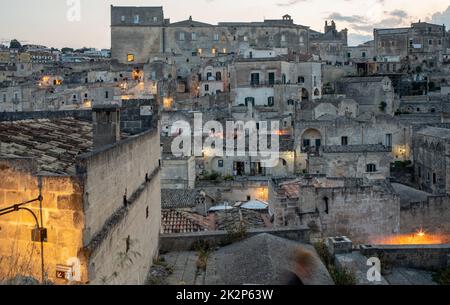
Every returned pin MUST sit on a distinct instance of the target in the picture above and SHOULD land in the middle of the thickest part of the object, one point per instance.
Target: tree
(15, 44)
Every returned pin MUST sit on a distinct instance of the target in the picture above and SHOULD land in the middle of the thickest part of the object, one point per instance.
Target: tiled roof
(175, 199)
(173, 221)
(54, 144)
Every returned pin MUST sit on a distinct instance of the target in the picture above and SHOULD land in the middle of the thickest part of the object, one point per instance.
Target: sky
(56, 23)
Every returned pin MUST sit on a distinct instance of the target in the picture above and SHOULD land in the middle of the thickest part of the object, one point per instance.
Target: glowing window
(130, 57)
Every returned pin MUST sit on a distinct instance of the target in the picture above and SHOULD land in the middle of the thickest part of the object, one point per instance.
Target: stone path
(184, 266)
(405, 276)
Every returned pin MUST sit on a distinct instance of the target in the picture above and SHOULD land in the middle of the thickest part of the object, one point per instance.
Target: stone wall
(115, 229)
(62, 217)
(428, 257)
(186, 241)
(433, 216)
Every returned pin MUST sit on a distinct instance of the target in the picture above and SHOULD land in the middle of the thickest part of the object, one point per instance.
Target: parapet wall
(427, 257)
(186, 241)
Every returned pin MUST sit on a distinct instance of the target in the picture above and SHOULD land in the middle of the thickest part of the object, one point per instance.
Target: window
(283, 38)
(363, 54)
(389, 140)
(301, 80)
(155, 19)
(130, 57)
(434, 178)
(306, 143)
(213, 51)
(271, 78)
(271, 101)
(199, 51)
(216, 37)
(181, 37)
(218, 76)
(147, 213)
(315, 81)
(136, 19)
(106, 94)
(220, 163)
(430, 42)
(419, 171)
(254, 79)
(206, 87)
(290, 102)
(194, 36)
(4, 97)
(249, 100)
(344, 141)
(122, 18)
(284, 162)
(371, 168)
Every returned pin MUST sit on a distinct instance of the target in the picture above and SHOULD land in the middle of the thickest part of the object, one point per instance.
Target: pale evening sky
(45, 21)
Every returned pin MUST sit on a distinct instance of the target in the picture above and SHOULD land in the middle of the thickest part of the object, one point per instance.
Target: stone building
(176, 172)
(357, 208)
(374, 94)
(432, 159)
(100, 207)
(421, 42)
(331, 45)
(140, 33)
(274, 82)
(351, 161)
(390, 132)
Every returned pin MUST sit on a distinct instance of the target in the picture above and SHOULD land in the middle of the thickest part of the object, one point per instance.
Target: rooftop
(53, 143)
(435, 132)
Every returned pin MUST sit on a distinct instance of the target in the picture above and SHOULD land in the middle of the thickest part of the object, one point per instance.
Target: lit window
(213, 51)
(224, 50)
(200, 51)
(130, 57)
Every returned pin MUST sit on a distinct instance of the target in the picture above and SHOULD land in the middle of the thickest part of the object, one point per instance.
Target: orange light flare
(419, 237)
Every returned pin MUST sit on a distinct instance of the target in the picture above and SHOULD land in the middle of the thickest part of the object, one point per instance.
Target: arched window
(316, 92)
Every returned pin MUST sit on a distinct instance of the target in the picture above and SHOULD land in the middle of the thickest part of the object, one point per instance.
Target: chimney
(105, 125)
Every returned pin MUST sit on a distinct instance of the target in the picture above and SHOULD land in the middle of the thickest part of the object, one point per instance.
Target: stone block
(339, 245)
(72, 202)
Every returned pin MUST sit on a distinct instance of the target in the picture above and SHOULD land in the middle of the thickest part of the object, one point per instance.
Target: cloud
(290, 3)
(399, 13)
(351, 19)
(442, 17)
(357, 39)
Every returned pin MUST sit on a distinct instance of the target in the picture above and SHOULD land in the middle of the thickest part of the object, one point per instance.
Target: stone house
(432, 160)
(374, 94)
(357, 208)
(100, 207)
(351, 161)
(331, 45)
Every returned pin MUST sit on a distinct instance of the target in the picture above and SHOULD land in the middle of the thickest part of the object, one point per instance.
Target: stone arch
(316, 92)
(311, 139)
